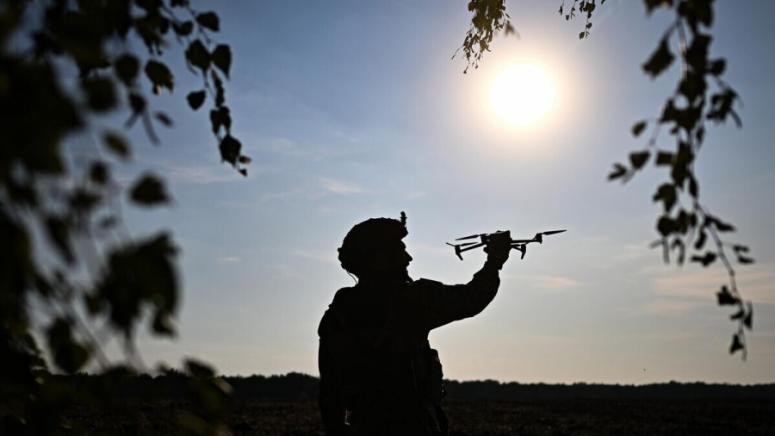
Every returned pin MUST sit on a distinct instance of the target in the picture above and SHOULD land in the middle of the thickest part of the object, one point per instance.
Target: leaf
(230, 149)
(159, 75)
(748, 320)
(665, 158)
(738, 248)
(705, 260)
(679, 173)
(197, 55)
(220, 118)
(724, 227)
(139, 276)
(137, 103)
(149, 191)
(116, 144)
(638, 128)
(744, 260)
(721, 226)
(127, 66)
(697, 53)
(183, 29)
(737, 344)
(725, 298)
(700, 134)
(639, 158)
(666, 193)
(694, 188)
(665, 225)
(68, 354)
(618, 171)
(196, 99)
(700, 242)
(693, 86)
(163, 118)
(222, 58)
(209, 20)
(721, 106)
(659, 60)
(98, 173)
(100, 93)
(717, 67)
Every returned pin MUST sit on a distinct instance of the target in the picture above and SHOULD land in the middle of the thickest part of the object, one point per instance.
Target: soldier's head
(373, 249)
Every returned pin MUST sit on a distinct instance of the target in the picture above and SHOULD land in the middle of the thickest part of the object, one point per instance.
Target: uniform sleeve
(330, 399)
(447, 303)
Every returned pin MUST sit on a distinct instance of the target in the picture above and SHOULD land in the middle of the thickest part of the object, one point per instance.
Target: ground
(576, 417)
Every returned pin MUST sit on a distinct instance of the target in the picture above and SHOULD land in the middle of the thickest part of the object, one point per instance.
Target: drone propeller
(486, 238)
(469, 237)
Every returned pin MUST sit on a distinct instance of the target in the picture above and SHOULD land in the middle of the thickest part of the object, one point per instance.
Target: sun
(522, 94)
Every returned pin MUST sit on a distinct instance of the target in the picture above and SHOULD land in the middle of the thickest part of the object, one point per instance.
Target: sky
(353, 109)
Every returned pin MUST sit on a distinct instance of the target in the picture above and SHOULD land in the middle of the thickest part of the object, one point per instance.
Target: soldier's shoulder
(342, 296)
(333, 315)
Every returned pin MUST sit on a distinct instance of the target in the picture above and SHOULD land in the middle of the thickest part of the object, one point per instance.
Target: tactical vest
(378, 371)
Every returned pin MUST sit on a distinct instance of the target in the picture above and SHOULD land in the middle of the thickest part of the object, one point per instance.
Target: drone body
(485, 238)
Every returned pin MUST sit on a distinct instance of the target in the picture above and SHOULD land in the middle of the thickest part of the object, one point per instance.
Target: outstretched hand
(498, 248)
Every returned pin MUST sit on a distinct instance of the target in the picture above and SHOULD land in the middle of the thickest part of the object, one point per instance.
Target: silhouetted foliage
(294, 386)
(489, 18)
(65, 66)
(686, 228)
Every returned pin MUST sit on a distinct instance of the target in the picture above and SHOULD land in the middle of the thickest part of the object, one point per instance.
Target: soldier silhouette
(378, 373)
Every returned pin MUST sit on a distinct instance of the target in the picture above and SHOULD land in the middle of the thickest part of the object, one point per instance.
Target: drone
(485, 238)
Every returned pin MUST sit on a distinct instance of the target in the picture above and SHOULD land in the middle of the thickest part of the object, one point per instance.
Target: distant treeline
(296, 386)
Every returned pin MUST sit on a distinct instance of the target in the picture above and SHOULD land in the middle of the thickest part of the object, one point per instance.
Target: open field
(541, 417)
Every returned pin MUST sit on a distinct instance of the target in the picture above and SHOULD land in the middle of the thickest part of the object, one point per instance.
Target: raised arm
(447, 303)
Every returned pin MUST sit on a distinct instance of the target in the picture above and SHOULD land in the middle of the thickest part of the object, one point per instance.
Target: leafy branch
(489, 19)
(66, 267)
(701, 96)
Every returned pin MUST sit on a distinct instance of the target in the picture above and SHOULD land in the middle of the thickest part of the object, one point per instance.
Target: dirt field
(546, 417)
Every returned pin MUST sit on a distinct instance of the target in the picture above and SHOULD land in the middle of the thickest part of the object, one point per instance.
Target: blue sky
(353, 110)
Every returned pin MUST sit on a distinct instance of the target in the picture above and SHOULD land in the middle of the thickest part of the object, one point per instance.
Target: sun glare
(522, 94)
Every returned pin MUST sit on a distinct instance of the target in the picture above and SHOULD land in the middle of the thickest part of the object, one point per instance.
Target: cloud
(756, 283)
(325, 256)
(199, 175)
(557, 282)
(340, 187)
(228, 259)
(552, 282)
(671, 306)
(284, 146)
(417, 194)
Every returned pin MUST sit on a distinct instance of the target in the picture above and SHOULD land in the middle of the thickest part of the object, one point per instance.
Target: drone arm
(522, 248)
(471, 247)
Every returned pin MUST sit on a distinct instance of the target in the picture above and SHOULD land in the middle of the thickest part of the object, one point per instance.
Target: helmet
(367, 238)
